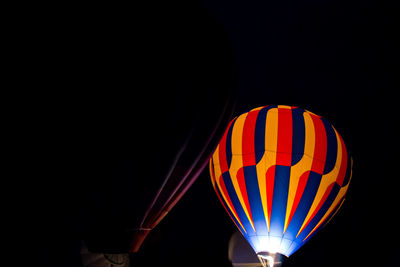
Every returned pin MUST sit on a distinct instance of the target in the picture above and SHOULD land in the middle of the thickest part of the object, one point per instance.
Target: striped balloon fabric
(281, 173)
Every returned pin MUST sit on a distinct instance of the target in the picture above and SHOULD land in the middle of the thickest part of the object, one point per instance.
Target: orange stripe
(339, 197)
(324, 218)
(271, 134)
(217, 179)
(267, 160)
(243, 191)
(211, 169)
(237, 162)
(226, 208)
(227, 199)
(222, 150)
(299, 192)
(321, 202)
(216, 166)
(271, 142)
(343, 163)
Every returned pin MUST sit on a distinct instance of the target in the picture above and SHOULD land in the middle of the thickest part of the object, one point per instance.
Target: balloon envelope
(241, 253)
(281, 172)
(164, 103)
(143, 168)
(90, 259)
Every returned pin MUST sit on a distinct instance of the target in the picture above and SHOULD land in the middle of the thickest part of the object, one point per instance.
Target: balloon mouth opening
(269, 259)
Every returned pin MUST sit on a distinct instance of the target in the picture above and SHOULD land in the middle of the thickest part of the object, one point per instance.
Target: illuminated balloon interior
(281, 173)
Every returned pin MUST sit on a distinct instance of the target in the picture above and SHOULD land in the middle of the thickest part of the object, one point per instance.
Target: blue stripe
(229, 210)
(279, 200)
(326, 221)
(314, 179)
(331, 152)
(317, 218)
(332, 213)
(236, 204)
(294, 247)
(253, 193)
(259, 135)
(299, 133)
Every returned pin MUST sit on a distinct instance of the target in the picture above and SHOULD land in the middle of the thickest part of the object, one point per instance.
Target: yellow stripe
(271, 132)
(217, 174)
(237, 135)
(255, 109)
(309, 112)
(302, 166)
(326, 181)
(284, 107)
(309, 143)
(269, 157)
(338, 198)
(261, 168)
(237, 160)
(337, 210)
(223, 195)
(212, 174)
(339, 151)
(216, 156)
(217, 168)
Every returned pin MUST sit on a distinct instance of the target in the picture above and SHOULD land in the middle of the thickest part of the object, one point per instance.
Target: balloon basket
(268, 259)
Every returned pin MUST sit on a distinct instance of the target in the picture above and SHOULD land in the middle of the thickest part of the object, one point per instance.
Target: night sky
(334, 58)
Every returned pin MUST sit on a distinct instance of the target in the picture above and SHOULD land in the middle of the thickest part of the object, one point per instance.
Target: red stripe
(270, 177)
(248, 138)
(320, 149)
(222, 150)
(243, 190)
(322, 201)
(299, 193)
(343, 164)
(225, 192)
(326, 217)
(285, 133)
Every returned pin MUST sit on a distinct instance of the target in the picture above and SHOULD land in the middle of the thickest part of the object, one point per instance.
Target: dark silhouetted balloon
(139, 96)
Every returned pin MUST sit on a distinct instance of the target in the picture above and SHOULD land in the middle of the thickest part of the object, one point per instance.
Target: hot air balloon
(281, 173)
(90, 259)
(153, 96)
(142, 169)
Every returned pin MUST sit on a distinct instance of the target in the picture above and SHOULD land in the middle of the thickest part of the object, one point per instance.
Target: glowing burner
(268, 259)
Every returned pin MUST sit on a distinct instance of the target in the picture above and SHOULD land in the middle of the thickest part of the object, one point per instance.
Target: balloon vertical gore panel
(281, 173)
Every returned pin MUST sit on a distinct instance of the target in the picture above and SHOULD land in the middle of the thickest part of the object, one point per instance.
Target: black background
(334, 58)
